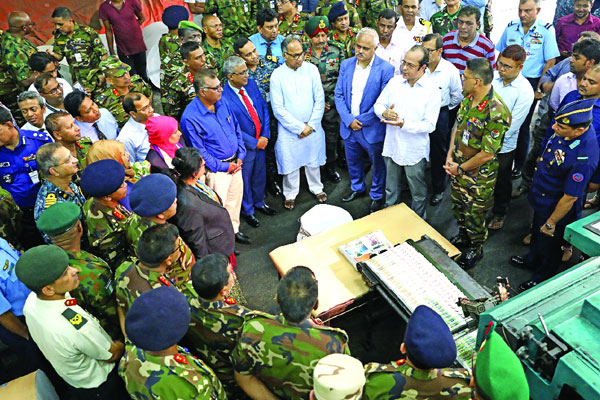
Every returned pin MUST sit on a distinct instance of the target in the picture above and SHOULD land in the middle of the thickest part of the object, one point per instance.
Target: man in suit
(361, 80)
(252, 113)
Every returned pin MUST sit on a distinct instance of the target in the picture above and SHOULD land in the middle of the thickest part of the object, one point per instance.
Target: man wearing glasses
(51, 90)
(134, 134)
(209, 125)
(291, 20)
(41, 62)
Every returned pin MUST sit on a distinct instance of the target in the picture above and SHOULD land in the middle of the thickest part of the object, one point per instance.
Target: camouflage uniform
(180, 376)
(170, 67)
(106, 231)
(483, 128)
(436, 384)
(96, 290)
(262, 76)
(177, 94)
(82, 146)
(83, 51)
(112, 100)
(324, 7)
(329, 69)
(488, 23)
(369, 10)
(283, 355)
(347, 44)
(443, 22)
(50, 194)
(168, 45)
(14, 53)
(295, 28)
(238, 16)
(10, 216)
(215, 56)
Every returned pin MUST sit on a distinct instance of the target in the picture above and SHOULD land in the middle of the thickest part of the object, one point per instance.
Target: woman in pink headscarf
(165, 138)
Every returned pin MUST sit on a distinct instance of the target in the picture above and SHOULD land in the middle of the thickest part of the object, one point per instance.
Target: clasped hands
(235, 167)
(306, 131)
(391, 117)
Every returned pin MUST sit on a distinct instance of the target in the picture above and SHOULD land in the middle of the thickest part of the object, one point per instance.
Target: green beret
(41, 265)
(316, 25)
(113, 66)
(58, 218)
(189, 25)
(499, 374)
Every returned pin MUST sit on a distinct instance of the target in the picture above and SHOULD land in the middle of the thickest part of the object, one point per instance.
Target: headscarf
(160, 128)
(109, 149)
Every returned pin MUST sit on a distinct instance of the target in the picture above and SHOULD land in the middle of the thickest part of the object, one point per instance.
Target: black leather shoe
(436, 199)
(274, 188)
(266, 210)
(331, 174)
(516, 173)
(242, 238)
(470, 257)
(527, 285)
(252, 220)
(236, 252)
(352, 196)
(376, 205)
(459, 241)
(518, 261)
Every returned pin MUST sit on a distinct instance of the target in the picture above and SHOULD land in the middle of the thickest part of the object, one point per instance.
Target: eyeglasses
(409, 65)
(30, 24)
(145, 108)
(466, 78)
(217, 88)
(295, 56)
(70, 160)
(56, 90)
(243, 73)
(179, 246)
(501, 65)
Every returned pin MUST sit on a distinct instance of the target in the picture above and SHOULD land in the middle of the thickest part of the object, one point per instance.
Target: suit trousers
(230, 189)
(291, 182)
(356, 146)
(415, 175)
(254, 174)
(439, 144)
(545, 252)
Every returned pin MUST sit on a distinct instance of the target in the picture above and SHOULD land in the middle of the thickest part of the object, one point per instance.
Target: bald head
(209, 19)
(17, 18)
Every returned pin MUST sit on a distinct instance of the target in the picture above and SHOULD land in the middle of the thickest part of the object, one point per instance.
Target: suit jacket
(243, 116)
(203, 223)
(372, 128)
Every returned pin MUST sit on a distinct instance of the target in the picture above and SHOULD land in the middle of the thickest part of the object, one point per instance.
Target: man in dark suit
(361, 80)
(252, 113)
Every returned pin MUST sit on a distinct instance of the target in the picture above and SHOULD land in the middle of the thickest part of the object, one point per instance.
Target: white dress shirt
(419, 107)
(30, 127)
(107, 124)
(135, 138)
(447, 78)
(518, 97)
(393, 53)
(359, 81)
(67, 88)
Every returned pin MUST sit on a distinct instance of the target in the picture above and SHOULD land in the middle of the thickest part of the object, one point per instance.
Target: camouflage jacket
(215, 56)
(170, 67)
(369, 10)
(179, 272)
(238, 16)
(10, 218)
(177, 94)
(283, 355)
(83, 51)
(324, 7)
(96, 290)
(296, 27)
(384, 382)
(167, 45)
(112, 100)
(180, 376)
(329, 67)
(82, 146)
(50, 194)
(106, 231)
(347, 44)
(488, 19)
(262, 76)
(14, 54)
(443, 22)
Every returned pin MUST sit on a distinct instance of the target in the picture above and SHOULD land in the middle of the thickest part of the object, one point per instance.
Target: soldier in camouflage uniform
(61, 126)
(291, 22)
(282, 351)
(488, 23)
(172, 64)
(106, 220)
(482, 120)
(10, 216)
(327, 57)
(154, 366)
(325, 6)
(169, 42)
(369, 10)
(446, 19)
(240, 16)
(341, 33)
(121, 83)
(215, 48)
(96, 291)
(82, 48)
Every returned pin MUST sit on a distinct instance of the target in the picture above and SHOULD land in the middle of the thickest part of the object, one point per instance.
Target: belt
(230, 159)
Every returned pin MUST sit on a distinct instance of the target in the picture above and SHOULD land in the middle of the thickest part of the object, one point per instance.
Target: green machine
(585, 234)
(554, 329)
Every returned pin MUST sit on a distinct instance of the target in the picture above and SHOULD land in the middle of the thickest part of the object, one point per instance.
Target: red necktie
(252, 111)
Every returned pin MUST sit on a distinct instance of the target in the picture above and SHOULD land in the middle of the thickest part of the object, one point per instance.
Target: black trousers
(545, 252)
(137, 62)
(270, 149)
(438, 150)
(112, 389)
(523, 140)
(539, 133)
(503, 186)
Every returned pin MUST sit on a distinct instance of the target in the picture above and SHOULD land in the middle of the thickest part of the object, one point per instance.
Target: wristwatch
(550, 227)
(459, 170)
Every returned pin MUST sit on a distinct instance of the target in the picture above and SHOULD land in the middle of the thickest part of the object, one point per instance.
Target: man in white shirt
(33, 108)
(409, 105)
(447, 78)
(411, 28)
(80, 351)
(387, 49)
(43, 62)
(95, 123)
(518, 96)
(51, 90)
(134, 134)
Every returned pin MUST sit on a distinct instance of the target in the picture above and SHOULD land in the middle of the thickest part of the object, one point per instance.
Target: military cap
(113, 66)
(173, 15)
(58, 218)
(428, 339)
(316, 25)
(189, 25)
(152, 195)
(338, 376)
(158, 319)
(337, 10)
(575, 112)
(41, 265)
(498, 372)
(102, 178)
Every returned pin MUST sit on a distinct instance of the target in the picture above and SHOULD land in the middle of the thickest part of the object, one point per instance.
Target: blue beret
(152, 195)
(158, 319)
(575, 112)
(337, 10)
(173, 15)
(428, 340)
(102, 178)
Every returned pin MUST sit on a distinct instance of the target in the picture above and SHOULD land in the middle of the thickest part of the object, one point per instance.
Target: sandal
(567, 253)
(496, 223)
(592, 203)
(321, 197)
(289, 204)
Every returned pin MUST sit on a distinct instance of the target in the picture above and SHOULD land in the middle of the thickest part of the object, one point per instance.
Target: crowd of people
(128, 219)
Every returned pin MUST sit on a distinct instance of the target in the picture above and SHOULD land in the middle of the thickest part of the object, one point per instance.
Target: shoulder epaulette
(511, 23)
(258, 314)
(76, 319)
(424, 22)
(38, 135)
(548, 25)
(459, 373)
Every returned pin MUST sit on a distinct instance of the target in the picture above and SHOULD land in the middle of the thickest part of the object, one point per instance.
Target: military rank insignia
(559, 156)
(180, 359)
(50, 200)
(76, 319)
(230, 300)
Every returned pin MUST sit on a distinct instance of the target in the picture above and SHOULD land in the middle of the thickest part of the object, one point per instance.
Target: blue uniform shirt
(18, 166)
(261, 46)
(539, 44)
(13, 292)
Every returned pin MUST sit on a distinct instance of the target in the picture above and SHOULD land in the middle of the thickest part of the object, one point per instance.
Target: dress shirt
(13, 292)
(419, 107)
(458, 55)
(518, 97)
(393, 53)
(359, 81)
(30, 127)
(563, 85)
(568, 31)
(66, 86)
(216, 135)
(414, 36)
(447, 79)
(135, 138)
(428, 8)
(107, 124)
(261, 46)
(237, 92)
(556, 71)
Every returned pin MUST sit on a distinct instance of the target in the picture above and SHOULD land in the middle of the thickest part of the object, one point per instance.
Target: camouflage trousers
(472, 197)
(331, 126)
(10, 101)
